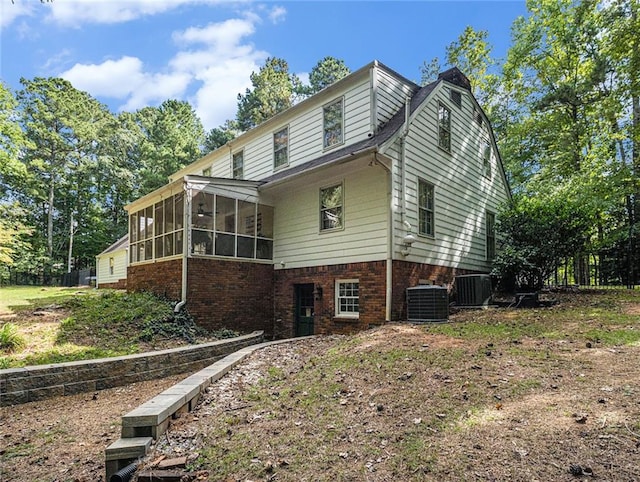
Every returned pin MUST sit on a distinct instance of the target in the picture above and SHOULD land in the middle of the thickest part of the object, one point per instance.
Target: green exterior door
(304, 309)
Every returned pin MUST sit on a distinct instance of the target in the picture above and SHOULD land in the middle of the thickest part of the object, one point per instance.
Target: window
(206, 172)
(490, 226)
(444, 128)
(486, 160)
(223, 226)
(238, 165)
(347, 298)
(111, 264)
(331, 208)
(281, 148)
(456, 97)
(425, 208)
(156, 231)
(332, 118)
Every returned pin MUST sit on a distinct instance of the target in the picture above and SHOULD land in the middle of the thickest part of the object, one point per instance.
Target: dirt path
(63, 439)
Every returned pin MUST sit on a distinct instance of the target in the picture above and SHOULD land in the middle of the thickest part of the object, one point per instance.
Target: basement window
(348, 298)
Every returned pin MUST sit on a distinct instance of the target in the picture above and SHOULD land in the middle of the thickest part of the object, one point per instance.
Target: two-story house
(318, 219)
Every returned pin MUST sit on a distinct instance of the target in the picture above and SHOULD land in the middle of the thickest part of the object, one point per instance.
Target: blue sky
(134, 53)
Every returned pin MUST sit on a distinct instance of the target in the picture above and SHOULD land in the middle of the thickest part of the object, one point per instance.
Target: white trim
(348, 314)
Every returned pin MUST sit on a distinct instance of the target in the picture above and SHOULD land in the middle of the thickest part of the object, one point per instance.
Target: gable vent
(427, 303)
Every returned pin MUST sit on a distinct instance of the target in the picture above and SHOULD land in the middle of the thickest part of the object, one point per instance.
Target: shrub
(10, 339)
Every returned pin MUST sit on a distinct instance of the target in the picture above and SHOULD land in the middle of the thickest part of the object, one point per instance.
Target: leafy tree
(538, 234)
(12, 142)
(172, 138)
(326, 72)
(219, 136)
(273, 90)
(65, 128)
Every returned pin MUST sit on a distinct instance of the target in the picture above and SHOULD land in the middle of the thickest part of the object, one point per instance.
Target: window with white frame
(281, 148)
(486, 160)
(333, 122)
(490, 227)
(425, 208)
(238, 165)
(348, 298)
(331, 208)
(206, 172)
(111, 265)
(157, 230)
(444, 128)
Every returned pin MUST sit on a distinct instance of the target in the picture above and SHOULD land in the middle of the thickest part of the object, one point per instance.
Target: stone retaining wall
(21, 385)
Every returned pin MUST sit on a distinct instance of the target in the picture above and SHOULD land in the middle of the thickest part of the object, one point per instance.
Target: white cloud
(10, 11)
(77, 12)
(212, 66)
(277, 14)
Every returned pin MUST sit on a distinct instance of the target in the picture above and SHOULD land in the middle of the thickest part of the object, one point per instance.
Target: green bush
(10, 339)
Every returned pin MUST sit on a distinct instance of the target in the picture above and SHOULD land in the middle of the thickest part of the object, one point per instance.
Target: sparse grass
(98, 324)
(12, 297)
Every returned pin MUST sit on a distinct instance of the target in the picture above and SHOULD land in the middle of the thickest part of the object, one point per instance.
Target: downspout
(403, 158)
(186, 220)
(390, 221)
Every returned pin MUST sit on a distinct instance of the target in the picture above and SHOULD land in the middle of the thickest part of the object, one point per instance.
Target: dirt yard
(547, 394)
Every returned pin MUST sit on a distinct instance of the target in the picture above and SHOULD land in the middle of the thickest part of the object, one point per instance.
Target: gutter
(338, 160)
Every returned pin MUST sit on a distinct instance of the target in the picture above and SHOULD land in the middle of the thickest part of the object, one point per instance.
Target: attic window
(486, 160)
(206, 172)
(456, 97)
(444, 128)
(478, 116)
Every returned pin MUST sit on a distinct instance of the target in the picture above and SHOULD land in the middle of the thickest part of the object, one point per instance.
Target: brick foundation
(163, 278)
(372, 297)
(407, 274)
(231, 294)
(121, 284)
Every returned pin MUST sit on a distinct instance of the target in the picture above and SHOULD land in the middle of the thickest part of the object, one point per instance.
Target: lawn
(54, 325)
(540, 394)
(15, 296)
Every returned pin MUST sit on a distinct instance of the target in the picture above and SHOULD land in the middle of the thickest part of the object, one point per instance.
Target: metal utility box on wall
(427, 303)
(473, 290)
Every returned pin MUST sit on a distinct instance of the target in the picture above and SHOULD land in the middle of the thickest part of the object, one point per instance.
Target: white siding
(392, 93)
(462, 193)
(119, 268)
(298, 240)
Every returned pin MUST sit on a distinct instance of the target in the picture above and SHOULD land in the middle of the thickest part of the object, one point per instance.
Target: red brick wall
(121, 284)
(164, 278)
(407, 274)
(372, 297)
(231, 294)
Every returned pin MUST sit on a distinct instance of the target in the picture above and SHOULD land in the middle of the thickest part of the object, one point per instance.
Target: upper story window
(331, 208)
(486, 160)
(425, 208)
(444, 128)
(206, 172)
(333, 124)
(456, 97)
(238, 165)
(111, 265)
(490, 226)
(281, 148)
